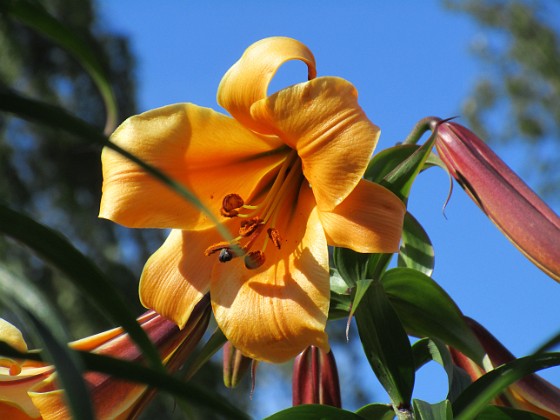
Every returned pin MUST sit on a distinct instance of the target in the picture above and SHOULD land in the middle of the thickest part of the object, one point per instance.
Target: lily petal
(14, 390)
(322, 120)
(11, 335)
(369, 220)
(246, 82)
(275, 311)
(209, 153)
(177, 275)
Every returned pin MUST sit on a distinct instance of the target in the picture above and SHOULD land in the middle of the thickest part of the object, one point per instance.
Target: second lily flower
(286, 175)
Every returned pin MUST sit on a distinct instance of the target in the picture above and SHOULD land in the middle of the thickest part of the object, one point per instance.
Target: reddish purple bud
(532, 393)
(511, 205)
(315, 378)
(235, 365)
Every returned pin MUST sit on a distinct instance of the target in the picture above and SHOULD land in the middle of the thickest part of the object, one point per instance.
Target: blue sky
(408, 60)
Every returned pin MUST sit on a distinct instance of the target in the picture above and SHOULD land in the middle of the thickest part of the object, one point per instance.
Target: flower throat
(256, 219)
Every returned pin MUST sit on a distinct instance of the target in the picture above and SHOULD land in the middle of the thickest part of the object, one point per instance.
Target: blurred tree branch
(519, 45)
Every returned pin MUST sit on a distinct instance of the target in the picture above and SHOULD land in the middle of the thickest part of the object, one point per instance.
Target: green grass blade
(57, 117)
(488, 386)
(35, 16)
(137, 373)
(52, 247)
(21, 297)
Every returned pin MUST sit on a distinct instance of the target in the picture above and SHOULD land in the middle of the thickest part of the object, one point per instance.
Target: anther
(217, 247)
(225, 255)
(249, 226)
(254, 259)
(274, 236)
(230, 205)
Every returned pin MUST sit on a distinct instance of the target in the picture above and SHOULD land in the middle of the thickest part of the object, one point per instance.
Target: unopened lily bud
(315, 378)
(531, 393)
(235, 365)
(511, 205)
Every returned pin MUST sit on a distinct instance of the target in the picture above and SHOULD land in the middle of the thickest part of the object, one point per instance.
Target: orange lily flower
(285, 173)
(28, 390)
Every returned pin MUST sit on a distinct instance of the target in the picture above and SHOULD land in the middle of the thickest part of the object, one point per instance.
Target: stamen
(256, 218)
(254, 259)
(287, 183)
(230, 205)
(212, 249)
(274, 236)
(225, 255)
(249, 226)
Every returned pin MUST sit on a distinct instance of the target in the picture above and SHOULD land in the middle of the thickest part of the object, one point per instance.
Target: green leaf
(314, 412)
(386, 344)
(549, 344)
(351, 265)
(387, 160)
(396, 168)
(426, 310)
(427, 349)
(416, 248)
(34, 15)
(214, 343)
(52, 247)
(493, 412)
(481, 392)
(376, 411)
(340, 306)
(44, 321)
(427, 411)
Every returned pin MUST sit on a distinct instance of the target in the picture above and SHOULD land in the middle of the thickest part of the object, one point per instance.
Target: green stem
(425, 124)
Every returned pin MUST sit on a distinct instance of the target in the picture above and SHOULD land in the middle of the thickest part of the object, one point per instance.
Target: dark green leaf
(427, 411)
(376, 411)
(426, 310)
(407, 161)
(493, 412)
(352, 266)
(387, 160)
(36, 17)
(427, 349)
(340, 306)
(386, 344)
(488, 386)
(56, 250)
(314, 412)
(549, 344)
(215, 343)
(416, 249)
